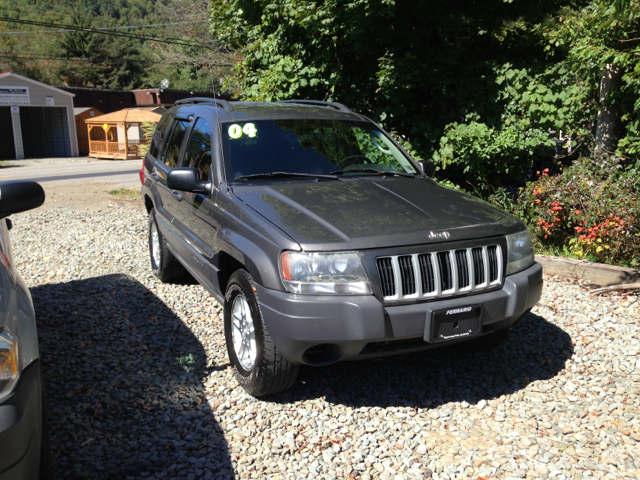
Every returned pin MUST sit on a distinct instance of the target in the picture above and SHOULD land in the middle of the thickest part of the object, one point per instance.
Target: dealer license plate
(453, 323)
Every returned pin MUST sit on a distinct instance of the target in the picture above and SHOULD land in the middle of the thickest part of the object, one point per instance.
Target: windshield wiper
(372, 170)
(285, 174)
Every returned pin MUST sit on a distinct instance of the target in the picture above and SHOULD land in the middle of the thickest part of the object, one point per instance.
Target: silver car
(24, 436)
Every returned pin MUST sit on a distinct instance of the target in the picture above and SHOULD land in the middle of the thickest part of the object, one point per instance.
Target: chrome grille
(407, 275)
(385, 268)
(440, 274)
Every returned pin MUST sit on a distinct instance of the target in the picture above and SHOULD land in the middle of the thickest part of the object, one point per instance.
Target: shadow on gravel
(124, 378)
(535, 350)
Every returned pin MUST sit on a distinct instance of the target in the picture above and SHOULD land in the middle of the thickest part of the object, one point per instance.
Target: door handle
(177, 195)
(155, 175)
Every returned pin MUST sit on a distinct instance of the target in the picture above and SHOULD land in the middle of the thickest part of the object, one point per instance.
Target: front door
(196, 223)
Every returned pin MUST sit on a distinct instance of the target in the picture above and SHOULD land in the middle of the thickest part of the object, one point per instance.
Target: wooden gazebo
(117, 135)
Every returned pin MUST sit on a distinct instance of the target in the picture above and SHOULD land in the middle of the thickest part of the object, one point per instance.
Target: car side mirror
(185, 179)
(16, 197)
(428, 168)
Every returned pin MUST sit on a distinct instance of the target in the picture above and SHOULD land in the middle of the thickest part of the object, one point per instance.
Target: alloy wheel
(243, 333)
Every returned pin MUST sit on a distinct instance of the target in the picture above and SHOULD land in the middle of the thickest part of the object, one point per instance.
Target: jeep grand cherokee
(324, 240)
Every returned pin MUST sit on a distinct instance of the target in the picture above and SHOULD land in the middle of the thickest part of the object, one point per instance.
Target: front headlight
(324, 273)
(519, 252)
(9, 362)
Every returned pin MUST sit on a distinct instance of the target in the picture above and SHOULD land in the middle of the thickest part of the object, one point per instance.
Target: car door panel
(196, 227)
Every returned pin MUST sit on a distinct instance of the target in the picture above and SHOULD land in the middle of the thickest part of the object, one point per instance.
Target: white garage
(36, 120)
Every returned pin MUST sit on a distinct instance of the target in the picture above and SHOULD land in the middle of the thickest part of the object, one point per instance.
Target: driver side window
(198, 151)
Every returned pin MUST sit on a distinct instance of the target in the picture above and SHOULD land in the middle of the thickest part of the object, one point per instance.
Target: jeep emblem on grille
(440, 235)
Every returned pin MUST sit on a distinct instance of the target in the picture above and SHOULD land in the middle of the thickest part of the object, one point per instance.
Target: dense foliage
(481, 87)
(416, 66)
(60, 57)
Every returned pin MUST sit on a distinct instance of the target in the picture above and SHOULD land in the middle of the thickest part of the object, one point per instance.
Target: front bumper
(350, 327)
(21, 427)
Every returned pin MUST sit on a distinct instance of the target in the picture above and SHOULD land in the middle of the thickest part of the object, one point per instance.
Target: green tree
(601, 44)
(414, 66)
(100, 61)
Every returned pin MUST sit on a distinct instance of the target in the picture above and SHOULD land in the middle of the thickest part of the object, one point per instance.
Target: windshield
(316, 147)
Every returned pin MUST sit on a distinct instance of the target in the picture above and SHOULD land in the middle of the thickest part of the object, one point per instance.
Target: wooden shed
(81, 115)
(117, 135)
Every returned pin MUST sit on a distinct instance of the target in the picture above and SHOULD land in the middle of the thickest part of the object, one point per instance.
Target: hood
(374, 212)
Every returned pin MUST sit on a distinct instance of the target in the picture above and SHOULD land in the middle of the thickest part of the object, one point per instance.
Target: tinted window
(308, 146)
(198, 151)
(172, 149)
(158, 135)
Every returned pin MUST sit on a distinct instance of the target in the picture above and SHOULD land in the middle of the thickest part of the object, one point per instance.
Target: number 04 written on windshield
(236, 131)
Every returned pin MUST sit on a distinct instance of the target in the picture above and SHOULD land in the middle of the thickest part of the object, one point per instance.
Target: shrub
(148, 128)
(592, 209)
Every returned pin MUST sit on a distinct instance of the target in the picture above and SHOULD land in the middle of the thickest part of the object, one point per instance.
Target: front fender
(261, 264)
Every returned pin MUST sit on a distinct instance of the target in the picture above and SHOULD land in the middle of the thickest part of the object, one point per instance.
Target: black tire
(167, 267)
(46, 471)
(270, 373)
(484, 343)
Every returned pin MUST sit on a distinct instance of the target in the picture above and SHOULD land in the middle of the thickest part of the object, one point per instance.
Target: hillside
(62, 57)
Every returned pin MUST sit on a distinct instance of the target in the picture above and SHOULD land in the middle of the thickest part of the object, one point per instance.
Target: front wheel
(257, 365)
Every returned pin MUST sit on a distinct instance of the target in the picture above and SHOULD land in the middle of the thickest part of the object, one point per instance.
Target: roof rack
(319, 103)
(199, 100)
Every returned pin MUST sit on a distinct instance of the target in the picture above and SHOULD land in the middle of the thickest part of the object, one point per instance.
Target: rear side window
(198, 151)
(172, 149)
(159, 134)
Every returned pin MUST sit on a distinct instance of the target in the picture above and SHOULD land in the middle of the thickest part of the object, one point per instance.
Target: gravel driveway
(138, 383)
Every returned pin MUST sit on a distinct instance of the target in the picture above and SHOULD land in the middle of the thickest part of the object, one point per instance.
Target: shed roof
(79, 110)
(127, 115)
(44, 85)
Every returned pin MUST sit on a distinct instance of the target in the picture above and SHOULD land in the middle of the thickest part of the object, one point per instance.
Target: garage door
(45, 132)
(7, 148)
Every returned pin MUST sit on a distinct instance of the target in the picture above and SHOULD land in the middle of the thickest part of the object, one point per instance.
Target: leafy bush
(592, 210)
(478, 153)
(148, 128)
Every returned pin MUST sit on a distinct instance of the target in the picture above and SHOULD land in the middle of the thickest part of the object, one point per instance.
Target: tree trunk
(608, 115)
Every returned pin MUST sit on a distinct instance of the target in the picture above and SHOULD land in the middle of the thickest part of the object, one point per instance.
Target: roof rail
(198, 100)
(319, 103)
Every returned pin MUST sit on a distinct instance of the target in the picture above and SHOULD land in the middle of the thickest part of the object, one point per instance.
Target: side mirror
(428, 168)
(185, 179)
(16, 197)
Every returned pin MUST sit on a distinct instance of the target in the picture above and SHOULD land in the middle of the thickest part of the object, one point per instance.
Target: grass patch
(128, 193)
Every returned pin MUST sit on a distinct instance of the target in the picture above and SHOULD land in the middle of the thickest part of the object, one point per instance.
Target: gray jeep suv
(324, 240)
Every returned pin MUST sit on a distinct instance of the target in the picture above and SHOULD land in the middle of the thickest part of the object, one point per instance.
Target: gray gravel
(138, 384)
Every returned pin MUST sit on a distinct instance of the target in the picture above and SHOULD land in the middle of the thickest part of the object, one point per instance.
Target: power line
(105, 28)
(171, 40)
(36, 56)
